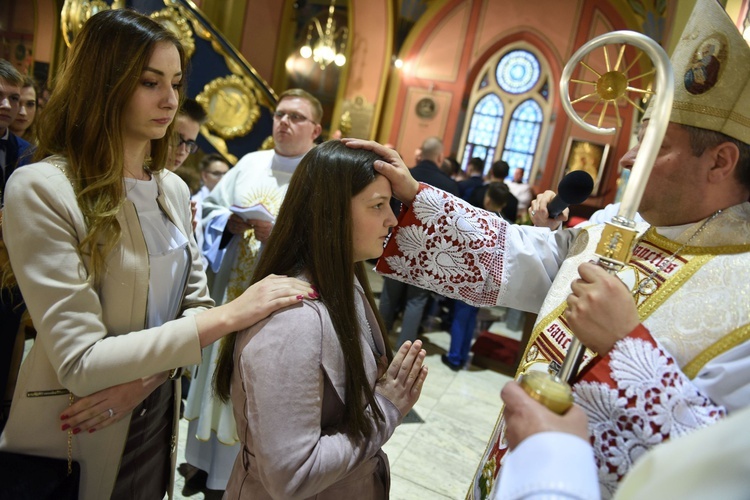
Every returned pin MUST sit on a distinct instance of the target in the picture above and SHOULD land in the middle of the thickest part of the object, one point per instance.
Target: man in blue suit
(14, 152)
(475, 171)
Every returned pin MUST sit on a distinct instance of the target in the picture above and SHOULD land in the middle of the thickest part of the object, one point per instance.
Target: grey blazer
(288, 393)
(89, 338)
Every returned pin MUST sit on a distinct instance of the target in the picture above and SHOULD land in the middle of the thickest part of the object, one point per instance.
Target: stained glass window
(514, 81)
(518, 71)
(484, 130)
(523, 136)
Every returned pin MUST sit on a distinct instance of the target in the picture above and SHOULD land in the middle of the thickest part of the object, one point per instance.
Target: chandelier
(330, 45)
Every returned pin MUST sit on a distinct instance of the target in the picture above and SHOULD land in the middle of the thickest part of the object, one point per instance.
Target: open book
(254, 212)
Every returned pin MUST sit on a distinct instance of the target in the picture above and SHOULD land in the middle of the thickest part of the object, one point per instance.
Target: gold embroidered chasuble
(249, 248)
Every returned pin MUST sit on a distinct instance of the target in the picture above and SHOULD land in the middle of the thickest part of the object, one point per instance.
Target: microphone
(573, 189)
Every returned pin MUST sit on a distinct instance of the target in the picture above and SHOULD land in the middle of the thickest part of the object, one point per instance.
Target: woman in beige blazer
(99, 240)
(313, 393)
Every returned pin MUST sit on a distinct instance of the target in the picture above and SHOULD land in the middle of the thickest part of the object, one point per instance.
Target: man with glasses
(232, 246)
(212, 167)
(187, 127)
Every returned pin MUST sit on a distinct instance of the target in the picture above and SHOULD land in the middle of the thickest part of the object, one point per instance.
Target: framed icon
(588, 156)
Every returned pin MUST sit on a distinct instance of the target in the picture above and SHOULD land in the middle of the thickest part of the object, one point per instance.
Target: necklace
(648, 285)
(144, 175)
(145, 171)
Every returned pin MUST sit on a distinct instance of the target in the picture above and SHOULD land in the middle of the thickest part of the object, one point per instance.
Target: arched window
(484, 129)
(513, 82)
(523, 137)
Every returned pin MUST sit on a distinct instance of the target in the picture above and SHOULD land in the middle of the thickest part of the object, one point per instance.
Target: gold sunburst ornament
(612, 86)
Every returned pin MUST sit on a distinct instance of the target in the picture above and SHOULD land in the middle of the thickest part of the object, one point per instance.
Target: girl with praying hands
(315, 388)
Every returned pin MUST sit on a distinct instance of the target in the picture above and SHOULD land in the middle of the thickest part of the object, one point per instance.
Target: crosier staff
(618, 238)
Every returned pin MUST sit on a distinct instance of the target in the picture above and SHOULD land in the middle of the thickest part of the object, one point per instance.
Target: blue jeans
(462, 332)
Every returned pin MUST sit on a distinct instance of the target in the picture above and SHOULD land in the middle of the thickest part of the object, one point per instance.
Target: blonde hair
(82, 121)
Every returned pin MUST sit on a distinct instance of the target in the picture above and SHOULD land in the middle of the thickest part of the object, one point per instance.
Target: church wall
(368, 64)
(44, 39)
(260, 39)
(452, 41)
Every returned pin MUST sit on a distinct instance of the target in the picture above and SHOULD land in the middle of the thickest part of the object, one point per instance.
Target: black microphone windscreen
(575, 187)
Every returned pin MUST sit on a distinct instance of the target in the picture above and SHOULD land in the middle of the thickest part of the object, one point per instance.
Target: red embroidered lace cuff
(599, 369)
(405, 218)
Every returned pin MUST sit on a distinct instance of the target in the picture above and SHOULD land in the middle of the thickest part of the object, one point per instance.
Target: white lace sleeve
(637, 397)
(450, 247)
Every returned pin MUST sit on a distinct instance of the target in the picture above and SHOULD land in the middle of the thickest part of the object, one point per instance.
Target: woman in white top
(99, 239)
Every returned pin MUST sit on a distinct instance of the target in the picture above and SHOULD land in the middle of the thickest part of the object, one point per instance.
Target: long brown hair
(313, 234)
(82, 121)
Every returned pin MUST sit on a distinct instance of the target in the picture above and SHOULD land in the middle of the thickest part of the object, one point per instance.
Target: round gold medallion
(171, 19)
(647, 286)
(231, 104)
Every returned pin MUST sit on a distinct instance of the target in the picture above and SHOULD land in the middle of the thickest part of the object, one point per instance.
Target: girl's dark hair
(313, 235)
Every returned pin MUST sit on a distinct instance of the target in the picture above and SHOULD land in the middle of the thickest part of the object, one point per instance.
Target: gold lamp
(330, 44)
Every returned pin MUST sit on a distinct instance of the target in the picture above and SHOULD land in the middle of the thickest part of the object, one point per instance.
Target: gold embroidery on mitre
(711, 74)
(711, 111)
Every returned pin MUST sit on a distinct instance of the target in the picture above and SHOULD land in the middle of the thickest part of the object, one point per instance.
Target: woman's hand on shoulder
(256, 303)
(271, 294)
(403, 381)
